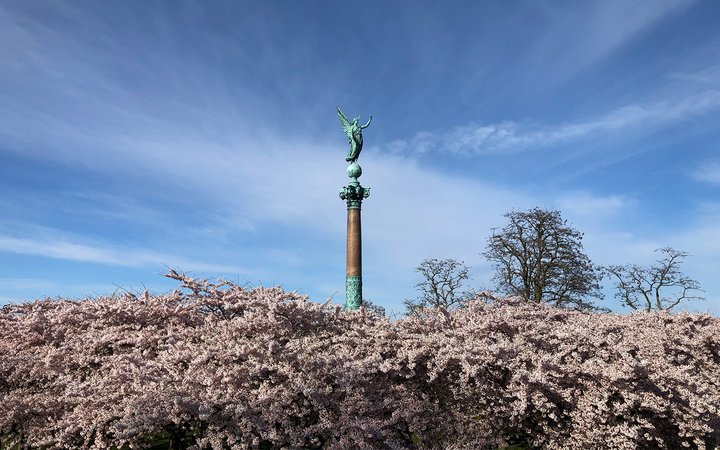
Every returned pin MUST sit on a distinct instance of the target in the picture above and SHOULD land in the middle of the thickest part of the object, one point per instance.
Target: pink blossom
(224, 366)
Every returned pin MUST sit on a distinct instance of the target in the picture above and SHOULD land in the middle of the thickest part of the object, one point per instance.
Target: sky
(202, 136)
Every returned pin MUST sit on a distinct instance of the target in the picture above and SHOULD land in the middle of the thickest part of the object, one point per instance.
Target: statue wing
(345, 122)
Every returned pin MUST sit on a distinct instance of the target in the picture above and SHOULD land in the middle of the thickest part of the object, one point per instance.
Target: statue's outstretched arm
(367, 124)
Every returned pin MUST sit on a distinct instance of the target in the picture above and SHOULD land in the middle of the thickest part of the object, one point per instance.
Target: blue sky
(202, 136)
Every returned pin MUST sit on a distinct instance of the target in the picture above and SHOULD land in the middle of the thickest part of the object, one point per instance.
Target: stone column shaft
(353, 268)
(354, 243)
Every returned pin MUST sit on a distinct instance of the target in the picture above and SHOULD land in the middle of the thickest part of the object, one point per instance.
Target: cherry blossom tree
(215, 366)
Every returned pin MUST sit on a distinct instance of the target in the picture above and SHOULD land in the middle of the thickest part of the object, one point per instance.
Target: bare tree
(646, 287)
(441, 286)
(539, 258)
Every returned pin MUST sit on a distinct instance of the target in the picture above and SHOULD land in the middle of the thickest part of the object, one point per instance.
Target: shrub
(219, 366)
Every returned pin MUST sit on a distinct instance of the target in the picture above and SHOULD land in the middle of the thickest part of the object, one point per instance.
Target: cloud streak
(73, 251)
(710, 172)
(21, 289)
(592, 206)
(597, 30)
(512, 137)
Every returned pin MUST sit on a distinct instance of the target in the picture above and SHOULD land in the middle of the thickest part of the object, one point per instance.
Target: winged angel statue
(353, 130)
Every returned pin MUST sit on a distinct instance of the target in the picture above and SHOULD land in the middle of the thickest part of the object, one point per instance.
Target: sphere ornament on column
(354, 170)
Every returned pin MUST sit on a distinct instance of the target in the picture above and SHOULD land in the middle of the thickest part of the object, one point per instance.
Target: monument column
(354, 194)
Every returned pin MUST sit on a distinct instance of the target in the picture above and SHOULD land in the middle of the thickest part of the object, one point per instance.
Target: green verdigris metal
(353, 130)
(353, 292)
(353, 194)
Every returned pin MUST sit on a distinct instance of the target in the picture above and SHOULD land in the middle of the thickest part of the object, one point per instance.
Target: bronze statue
(353, 130)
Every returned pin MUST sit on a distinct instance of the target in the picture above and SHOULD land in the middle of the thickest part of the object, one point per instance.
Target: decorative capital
(354, 194)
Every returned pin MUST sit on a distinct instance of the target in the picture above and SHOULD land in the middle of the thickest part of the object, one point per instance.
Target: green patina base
(353, 292)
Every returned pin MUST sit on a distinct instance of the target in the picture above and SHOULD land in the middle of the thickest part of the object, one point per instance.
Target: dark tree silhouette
(660, 287)
(442, 286)
(539, 258)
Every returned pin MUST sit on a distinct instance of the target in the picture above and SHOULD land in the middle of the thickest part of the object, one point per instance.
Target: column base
(353, 292)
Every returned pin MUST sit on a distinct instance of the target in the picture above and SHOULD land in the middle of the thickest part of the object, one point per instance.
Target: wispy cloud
(73, 251)
(506, 137)
(709, 172)
(587, 205)
(705, 77)
(586, 34)
(18, 289)
(707, 73)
